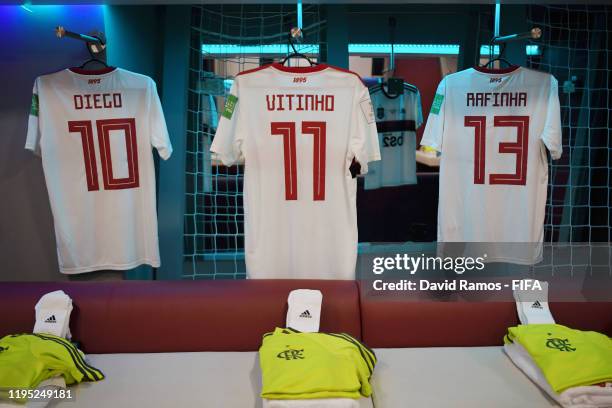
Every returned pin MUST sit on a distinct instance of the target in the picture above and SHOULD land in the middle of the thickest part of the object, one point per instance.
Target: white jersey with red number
(95, 131)
(298, 130)
(493, 128)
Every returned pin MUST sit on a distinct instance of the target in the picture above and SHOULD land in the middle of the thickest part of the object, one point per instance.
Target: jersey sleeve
(434, 129)
(160, 139)
(364, 135)
(227, 143)
(551, 136)
(418, 110)
(33, 136)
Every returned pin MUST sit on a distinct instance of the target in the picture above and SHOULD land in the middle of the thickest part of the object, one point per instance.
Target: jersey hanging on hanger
(493, 128)
(95, 131)
(397, 118)
(298, 130)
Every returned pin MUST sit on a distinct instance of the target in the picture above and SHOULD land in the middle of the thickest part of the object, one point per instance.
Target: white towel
(304, 313)
(532, 305)
(53, 314)
(591, 396)
(312, 403)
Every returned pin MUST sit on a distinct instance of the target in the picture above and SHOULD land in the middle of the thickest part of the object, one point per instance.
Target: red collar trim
(82, 71)
(300, 70)
(498, 70)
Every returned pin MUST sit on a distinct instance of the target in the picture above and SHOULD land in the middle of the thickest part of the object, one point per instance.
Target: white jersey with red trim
(493, 128)
(95, 131)
(298, 130)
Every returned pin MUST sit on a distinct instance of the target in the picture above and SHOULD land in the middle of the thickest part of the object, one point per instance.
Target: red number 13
(519, 148)
(287, 131)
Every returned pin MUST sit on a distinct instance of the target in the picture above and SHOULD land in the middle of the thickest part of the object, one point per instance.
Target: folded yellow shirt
(567, 357)
(298, 365)
(28, 359)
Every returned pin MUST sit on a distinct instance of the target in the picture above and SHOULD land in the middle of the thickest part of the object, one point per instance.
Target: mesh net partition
(226, 40)
(575, 48)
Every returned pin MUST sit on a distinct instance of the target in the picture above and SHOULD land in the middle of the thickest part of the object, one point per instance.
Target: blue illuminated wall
(28, 48)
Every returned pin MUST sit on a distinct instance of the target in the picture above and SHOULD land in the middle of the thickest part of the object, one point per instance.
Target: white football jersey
(298, 130)
(493, 128)
(95, 131)
(397, 118)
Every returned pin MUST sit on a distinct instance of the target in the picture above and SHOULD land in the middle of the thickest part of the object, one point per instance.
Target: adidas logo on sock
(306, 314)
(51, 319)
(536, 305)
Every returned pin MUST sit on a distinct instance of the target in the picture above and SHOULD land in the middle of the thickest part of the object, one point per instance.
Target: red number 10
(85, 128)
(519, 148)
(287, 131)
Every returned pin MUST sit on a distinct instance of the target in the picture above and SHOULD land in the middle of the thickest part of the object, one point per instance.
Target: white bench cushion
(455, 377)
(175, 380)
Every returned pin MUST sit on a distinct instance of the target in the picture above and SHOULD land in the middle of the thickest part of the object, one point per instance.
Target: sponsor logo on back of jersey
(536, 305)
(495, 80)
(94, 81)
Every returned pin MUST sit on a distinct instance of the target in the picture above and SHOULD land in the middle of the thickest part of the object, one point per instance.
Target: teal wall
(154, 41)
(134, 35)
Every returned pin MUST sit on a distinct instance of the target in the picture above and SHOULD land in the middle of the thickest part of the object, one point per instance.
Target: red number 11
(287, 131)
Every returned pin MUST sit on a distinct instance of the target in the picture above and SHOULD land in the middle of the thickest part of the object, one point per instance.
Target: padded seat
(458, 377)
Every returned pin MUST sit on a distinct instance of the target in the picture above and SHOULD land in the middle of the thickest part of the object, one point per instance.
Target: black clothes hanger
(500, 57)
(296, 54)
(96, 51)
(92, 60)
(394, 86)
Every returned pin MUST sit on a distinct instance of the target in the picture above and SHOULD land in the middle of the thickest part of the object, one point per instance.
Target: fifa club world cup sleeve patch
(367, 109)
(230, 106)
(34, 107)
(437, 104)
